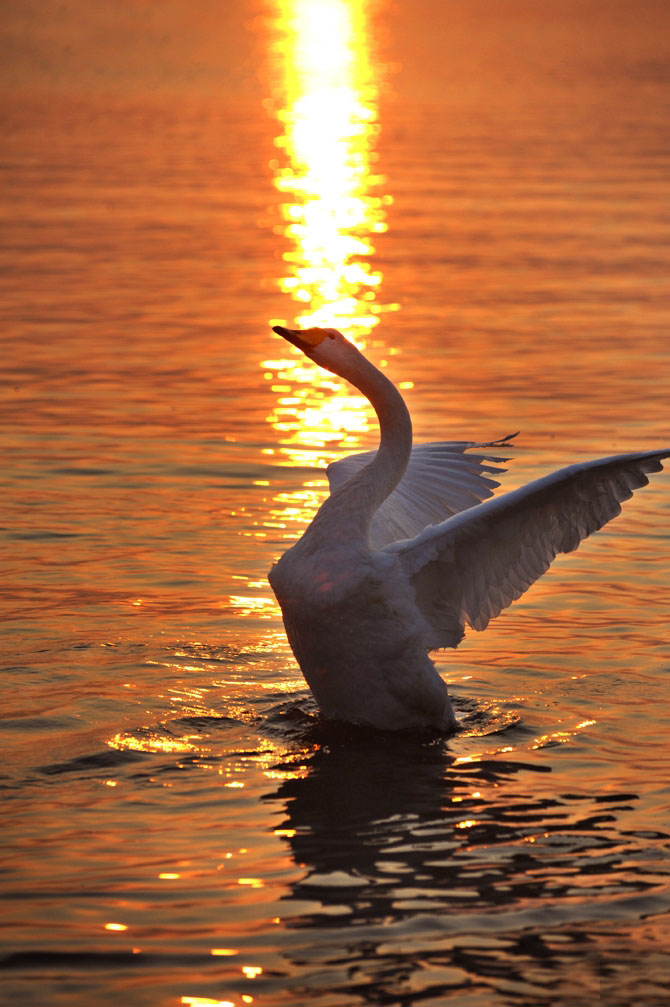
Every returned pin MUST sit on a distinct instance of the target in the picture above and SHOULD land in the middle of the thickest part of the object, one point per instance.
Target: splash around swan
(409, 549)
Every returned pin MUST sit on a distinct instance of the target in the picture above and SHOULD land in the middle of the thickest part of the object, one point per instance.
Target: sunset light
(331, 200)
(331, 206)
(264, 745)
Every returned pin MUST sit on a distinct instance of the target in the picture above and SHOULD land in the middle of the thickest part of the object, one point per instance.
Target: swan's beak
(304, 339)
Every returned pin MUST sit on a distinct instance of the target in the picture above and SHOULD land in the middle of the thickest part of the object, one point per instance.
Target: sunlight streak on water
(330, 208)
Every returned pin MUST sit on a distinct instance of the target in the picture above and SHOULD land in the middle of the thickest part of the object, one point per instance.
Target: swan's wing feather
(440, 480)
(475, 564)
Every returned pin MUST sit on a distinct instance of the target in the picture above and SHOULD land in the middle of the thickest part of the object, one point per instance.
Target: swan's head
(326, 347)
(307, 340)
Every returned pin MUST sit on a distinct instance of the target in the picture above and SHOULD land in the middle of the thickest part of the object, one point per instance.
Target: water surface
(180, 827)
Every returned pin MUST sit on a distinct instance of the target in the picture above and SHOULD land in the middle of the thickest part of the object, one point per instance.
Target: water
(178, 825)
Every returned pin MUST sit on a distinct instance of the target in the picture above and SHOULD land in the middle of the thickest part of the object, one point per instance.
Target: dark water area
(490, 219)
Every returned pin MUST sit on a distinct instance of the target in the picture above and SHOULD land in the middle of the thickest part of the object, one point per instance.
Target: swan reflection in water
(408, 549)
(421, 871)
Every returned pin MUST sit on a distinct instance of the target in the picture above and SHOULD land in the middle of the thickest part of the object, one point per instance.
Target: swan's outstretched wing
(477, 563)
(440, 480)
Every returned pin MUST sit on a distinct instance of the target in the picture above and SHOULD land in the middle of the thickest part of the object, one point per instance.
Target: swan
(409, 548)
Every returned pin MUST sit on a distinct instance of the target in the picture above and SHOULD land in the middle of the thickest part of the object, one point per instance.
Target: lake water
(480, 194)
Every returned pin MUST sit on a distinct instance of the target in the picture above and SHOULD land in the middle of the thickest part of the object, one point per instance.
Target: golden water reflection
(331, 205)
(325, 93)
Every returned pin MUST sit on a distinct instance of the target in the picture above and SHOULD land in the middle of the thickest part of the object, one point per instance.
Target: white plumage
(408, 550)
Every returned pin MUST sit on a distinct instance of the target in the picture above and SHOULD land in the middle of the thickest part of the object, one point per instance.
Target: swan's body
(404, 553)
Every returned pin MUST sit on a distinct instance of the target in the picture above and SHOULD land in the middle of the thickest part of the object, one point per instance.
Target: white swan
(404, 553)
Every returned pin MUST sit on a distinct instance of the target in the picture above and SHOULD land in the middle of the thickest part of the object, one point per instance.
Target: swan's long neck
(351, 508)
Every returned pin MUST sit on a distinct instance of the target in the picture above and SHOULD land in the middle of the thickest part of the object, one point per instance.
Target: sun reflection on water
(325, 96)
(330, 208)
